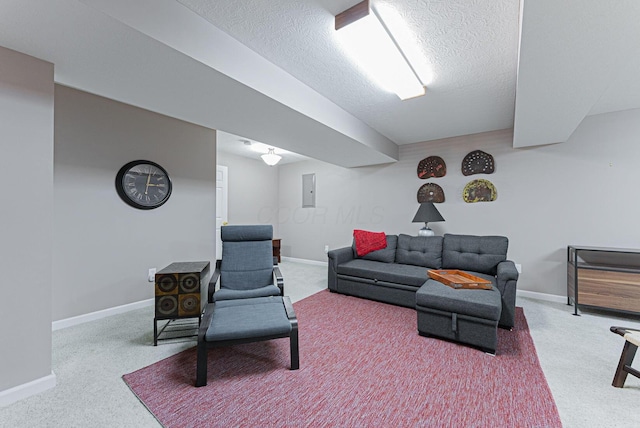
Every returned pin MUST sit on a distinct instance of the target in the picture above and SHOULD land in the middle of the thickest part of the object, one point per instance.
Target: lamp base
(425, 231)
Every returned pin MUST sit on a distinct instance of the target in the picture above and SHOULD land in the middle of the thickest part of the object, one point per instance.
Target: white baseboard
(541, 296)
(17, 393)
(305, 261)
(80, 319)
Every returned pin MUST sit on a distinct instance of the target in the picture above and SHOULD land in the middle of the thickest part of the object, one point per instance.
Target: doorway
(222, 202)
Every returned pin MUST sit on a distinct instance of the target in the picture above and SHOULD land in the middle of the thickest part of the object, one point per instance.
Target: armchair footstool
(460, 315)
(230, 322)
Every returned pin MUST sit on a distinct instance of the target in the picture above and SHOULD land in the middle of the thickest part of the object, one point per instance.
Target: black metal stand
(175, 329)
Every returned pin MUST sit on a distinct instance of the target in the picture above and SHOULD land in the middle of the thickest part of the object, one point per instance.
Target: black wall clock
(143, 184)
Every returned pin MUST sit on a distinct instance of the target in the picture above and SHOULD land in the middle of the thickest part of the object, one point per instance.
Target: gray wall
(26, 171)
(580, 192)
(253, 190)
(103, 248)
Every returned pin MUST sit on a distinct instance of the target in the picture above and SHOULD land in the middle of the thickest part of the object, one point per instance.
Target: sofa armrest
(507, 271)
(340, 255)
(506, 279)
(336, 258)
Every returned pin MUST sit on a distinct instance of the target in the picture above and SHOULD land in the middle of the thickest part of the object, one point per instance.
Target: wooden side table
(178, 289)
(276, 249)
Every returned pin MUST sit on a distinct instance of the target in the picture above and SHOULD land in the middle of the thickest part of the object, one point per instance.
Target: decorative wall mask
(430, 192)
(479, 190)
(478, 162)
(433, 166)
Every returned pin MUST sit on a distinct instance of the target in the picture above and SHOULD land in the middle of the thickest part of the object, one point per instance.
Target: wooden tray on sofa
(459, 279)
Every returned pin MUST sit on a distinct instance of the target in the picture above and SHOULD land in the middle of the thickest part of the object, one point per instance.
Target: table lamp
(426, 213)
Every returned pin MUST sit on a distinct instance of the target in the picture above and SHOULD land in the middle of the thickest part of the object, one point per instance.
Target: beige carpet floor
(578, 355)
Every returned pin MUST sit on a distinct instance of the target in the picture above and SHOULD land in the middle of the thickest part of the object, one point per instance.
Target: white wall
(579, 192)
(253, 190)
(26, 172)
(103, 248)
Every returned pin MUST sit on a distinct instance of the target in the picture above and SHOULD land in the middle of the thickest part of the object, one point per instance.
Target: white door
(221, 204)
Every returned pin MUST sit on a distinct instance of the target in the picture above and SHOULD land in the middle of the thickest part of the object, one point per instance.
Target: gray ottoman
(231, 322)
(461, 315)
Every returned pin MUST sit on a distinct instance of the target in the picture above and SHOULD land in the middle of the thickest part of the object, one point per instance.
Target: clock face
(143, 184)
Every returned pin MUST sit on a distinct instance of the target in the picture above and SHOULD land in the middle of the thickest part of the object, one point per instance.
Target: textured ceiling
(468, 57)
(272, 72)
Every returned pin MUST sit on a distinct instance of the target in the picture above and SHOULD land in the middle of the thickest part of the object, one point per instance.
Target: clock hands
(146, 189)
(143, 184)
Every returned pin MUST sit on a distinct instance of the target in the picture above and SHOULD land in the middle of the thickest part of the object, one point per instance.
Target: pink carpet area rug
(362, 364)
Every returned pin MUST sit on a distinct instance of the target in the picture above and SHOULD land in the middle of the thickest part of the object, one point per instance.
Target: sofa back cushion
(420, 251)
(386, 255)
(475, 253)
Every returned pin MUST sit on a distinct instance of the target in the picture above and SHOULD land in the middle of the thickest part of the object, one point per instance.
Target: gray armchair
(246, 269)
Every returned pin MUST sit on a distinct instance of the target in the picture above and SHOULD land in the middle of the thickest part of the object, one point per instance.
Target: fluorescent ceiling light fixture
(271, 158)
(369, 42)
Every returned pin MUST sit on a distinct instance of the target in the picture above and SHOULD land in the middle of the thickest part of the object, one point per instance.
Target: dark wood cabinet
(607, 278)
(276, 250)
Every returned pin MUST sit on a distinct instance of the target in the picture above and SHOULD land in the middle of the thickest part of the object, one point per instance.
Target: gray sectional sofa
(398, 275)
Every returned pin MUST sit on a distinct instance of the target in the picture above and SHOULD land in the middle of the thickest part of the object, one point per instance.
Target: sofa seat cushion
(387, 272)
(485, 304)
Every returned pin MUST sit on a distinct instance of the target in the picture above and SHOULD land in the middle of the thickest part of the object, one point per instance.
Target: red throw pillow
(367, 242)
